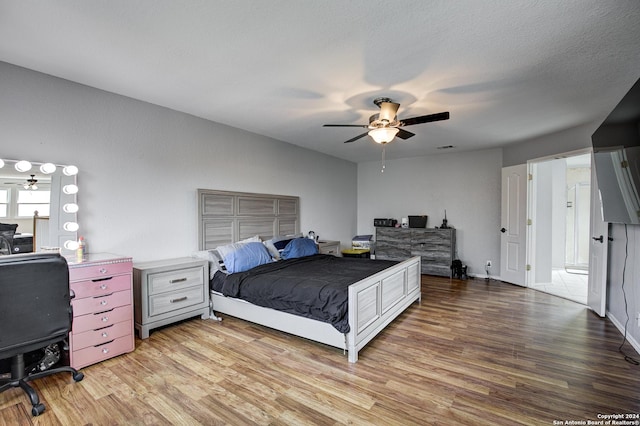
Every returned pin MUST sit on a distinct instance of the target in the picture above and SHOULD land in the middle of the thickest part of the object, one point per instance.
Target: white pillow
(214, 259)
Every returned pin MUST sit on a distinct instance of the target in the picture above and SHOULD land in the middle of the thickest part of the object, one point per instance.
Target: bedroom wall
(466, 184)
(140, 165)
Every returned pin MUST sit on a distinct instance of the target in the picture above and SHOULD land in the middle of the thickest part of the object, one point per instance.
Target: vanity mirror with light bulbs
(39, 200)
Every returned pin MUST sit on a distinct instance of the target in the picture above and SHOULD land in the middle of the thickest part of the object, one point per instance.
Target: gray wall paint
(140, 165)
(573, 139)
(466, 184)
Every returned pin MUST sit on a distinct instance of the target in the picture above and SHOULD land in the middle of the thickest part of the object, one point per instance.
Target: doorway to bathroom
(560, 211)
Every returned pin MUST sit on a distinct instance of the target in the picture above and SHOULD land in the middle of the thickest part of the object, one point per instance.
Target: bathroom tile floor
(569, 285)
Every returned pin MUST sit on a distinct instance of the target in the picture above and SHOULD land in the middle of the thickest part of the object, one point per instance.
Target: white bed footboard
(373, 303)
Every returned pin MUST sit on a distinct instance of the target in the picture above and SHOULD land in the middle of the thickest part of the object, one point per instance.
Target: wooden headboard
(225, 217)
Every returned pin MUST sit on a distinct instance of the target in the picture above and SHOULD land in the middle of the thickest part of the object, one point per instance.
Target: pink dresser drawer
(103, 335)
(94, 354)
(77, 273)
(90, 305)
(102, 319)
(100, 286)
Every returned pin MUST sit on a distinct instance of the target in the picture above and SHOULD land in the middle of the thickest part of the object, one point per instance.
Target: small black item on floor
(458, 270)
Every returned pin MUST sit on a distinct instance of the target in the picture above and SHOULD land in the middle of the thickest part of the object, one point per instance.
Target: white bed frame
(374, 301)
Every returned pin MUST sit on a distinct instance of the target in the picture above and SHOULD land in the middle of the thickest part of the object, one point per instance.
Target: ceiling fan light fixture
(383, 134)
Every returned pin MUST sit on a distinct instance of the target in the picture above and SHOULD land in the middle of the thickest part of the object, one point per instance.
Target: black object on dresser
(22, 243)
(436, 247)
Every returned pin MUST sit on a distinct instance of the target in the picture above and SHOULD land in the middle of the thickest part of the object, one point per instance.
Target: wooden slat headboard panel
(225, 217)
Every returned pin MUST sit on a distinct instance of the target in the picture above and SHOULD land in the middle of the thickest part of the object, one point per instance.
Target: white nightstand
(166, 291)
(329, 247)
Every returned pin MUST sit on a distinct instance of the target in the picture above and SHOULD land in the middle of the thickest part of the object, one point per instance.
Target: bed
(372, 301)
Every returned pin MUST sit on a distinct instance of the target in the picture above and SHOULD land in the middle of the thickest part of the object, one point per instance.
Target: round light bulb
(71, 245)
(23, 166)
(71, 226)
(48, 168)
(70, 208)
(70, 189)
(70, 170)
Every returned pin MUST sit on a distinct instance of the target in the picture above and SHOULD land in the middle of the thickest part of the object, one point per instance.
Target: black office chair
(7, 231)
(35, 313)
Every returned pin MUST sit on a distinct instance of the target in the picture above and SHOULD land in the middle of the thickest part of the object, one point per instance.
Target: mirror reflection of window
(30, 202)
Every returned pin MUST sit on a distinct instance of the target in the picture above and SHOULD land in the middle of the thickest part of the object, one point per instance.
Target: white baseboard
(620, 326)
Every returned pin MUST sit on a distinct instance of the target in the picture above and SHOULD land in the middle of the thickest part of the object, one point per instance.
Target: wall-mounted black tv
(616, 150)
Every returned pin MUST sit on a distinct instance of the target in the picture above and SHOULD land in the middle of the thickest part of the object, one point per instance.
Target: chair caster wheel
(78, 376)
(37, 409)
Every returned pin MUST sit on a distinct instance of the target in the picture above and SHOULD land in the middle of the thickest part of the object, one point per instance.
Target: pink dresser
(102, 308)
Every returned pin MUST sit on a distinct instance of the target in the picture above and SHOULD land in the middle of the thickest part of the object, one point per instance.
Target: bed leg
(212, 314)
(346, 345)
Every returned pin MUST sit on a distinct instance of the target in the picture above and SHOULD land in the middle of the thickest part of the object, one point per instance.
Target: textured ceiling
(506, 70)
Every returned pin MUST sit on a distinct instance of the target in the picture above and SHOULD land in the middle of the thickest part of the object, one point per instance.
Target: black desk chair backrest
(35, 311)
(7, 231)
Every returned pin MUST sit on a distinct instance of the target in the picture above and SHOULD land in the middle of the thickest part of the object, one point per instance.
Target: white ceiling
(506, 70)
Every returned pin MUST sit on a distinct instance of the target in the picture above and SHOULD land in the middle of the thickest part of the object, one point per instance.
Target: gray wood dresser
(166, 291)
(436, 247)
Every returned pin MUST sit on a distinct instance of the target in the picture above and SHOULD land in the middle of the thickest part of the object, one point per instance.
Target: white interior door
(598, 251)
(514, 225)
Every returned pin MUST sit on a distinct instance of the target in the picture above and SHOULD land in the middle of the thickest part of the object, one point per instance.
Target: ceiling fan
(385, 126)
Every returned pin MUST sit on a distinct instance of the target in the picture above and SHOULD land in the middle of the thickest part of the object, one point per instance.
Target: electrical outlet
(488, 264)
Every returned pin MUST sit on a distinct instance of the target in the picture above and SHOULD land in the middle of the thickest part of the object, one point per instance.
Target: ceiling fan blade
(388, 111)
(356, 138)
(403, 134)
(345, 125)
(425, 118)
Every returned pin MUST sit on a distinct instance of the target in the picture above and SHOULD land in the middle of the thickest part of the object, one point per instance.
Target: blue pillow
(246, 256)
(299, 247)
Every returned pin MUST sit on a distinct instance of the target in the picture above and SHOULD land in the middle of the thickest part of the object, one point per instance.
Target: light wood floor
(472, 353)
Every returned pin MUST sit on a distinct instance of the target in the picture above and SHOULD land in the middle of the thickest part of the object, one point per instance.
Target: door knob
(503, 230)
(600, 238)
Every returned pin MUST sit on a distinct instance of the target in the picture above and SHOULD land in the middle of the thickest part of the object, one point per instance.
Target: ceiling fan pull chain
(382, 170)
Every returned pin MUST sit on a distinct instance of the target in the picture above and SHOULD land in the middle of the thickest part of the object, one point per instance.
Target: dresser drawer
(102, 319)
(94, 354)
(91, 305)
(100, 270)
(101, 286)
(163, 282)
(167, 302)
(103, 335)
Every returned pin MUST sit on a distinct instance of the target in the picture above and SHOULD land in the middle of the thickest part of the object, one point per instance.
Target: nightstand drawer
(103, 335)
(90, 305)
(175, 280)
(102, 319)
(100, 286)
(167, 302)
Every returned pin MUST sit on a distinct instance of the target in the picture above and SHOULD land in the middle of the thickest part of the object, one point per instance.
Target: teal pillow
(299, 247)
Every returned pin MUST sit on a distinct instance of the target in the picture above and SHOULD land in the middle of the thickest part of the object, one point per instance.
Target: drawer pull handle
(179, 299)
(105, 350)
(105, 319)
(104, 303)
(105, 334)
(103, 286)
(103, 270)
(178, 280)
